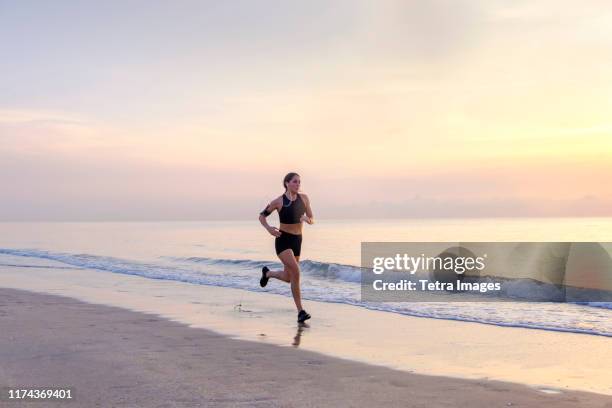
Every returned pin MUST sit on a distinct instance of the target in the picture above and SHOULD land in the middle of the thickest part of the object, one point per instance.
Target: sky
(194, 110)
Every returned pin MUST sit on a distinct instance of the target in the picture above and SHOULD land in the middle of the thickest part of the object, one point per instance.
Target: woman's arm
(308, 217)
(274, 205)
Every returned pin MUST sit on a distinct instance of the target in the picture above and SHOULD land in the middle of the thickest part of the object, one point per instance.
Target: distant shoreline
(415, 218)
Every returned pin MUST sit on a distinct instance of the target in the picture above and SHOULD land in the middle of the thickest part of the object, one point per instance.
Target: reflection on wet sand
(298, 335)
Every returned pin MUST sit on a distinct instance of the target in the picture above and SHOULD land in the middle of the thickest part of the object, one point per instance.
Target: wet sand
(117, 357)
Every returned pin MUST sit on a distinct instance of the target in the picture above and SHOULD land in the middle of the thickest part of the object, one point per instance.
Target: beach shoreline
(113, 356)
(544, 360)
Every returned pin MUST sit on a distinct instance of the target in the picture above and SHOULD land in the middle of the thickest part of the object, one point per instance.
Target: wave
(38, 266)
(326, 270)
(337, 283)
(512, 289)
(127, 267)
(602, 305)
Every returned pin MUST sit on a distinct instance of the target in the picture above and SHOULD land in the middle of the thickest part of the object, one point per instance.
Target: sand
(544, 360)
(116, 357)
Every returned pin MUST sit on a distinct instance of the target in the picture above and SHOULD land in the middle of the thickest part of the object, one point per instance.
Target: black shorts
(288, 241)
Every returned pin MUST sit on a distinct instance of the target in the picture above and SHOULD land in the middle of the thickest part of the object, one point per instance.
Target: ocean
(232, 253)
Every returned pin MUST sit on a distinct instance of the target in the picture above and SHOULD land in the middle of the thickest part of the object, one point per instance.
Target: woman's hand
(306, 219)
(274, 231)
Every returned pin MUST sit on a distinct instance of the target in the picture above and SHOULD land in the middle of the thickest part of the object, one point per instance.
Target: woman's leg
(280, 275)
(293, 269)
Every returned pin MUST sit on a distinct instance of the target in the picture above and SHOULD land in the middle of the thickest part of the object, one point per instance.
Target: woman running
(293, 209)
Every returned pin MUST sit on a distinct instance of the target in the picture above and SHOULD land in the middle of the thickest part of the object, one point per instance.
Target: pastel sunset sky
(161, 110)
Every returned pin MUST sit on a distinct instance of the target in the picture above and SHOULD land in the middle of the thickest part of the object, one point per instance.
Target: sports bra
(292, 211)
